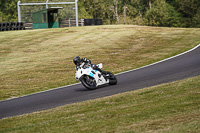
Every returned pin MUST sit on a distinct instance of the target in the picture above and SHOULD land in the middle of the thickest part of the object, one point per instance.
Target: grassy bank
(172, 107)
(38, 60)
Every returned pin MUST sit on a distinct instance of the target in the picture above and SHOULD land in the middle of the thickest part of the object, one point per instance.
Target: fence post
(76, 6)
(82, 22)
(47, 4)
(69, 22)
(19, 12)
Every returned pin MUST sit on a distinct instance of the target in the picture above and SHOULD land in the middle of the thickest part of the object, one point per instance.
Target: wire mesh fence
(67, 12)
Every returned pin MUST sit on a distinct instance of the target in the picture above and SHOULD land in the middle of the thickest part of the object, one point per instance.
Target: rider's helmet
(77, 60)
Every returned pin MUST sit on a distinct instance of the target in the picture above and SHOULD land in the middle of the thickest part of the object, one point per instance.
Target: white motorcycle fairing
(89, 71)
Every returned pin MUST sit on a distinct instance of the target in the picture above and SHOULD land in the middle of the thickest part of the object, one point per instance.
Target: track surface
(176, 68)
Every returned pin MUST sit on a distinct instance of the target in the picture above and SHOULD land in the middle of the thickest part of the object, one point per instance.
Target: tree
(162, 14)
(8, 10)
(184, 13)
(115, 4)
(149, 4)
(196, 20)
(189, 10)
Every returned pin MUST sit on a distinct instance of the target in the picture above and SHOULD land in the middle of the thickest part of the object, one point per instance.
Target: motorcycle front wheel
(89, 82)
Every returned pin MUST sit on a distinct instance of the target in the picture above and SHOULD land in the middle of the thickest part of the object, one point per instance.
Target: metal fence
(70, 22)
(81, 22)
(70, 9)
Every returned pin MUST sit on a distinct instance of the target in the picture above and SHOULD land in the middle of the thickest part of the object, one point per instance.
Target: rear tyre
(112, 79)
(89, 82)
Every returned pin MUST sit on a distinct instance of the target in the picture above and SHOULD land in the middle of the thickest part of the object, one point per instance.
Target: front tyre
(89, 82)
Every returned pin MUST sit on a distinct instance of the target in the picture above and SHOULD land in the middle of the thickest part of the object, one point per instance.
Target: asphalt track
(176, 68)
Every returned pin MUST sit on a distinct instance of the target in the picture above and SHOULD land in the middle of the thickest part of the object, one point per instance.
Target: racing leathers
(95, 67)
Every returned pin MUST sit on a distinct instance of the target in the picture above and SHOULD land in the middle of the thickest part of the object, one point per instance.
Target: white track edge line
(115, 74)
(40, 92)
(160, 60)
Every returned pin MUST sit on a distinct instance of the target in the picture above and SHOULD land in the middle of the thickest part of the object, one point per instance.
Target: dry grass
(172, 107)
(37, 60)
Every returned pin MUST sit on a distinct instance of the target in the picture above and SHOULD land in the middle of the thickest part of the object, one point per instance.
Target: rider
(78, 61)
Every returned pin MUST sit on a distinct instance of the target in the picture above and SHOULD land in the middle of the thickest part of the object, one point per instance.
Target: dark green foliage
(171, 13)
(189, 10)
(162, 14)
(8, 10)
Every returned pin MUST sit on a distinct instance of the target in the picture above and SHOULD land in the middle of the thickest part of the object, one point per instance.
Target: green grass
(172, 107)
(37, 60)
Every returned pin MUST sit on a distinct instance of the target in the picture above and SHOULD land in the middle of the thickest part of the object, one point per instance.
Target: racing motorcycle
(91, 78)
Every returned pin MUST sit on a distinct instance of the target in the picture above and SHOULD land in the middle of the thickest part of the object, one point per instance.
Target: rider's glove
(95, 67)
(84, 59)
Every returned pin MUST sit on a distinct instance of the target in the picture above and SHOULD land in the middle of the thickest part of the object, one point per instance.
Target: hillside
(38, 60)
(167, 13)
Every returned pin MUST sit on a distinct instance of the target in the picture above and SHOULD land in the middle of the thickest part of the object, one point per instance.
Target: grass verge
(37, 60)
(172, 107)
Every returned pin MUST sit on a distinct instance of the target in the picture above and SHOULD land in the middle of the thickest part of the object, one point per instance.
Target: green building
(47, 18)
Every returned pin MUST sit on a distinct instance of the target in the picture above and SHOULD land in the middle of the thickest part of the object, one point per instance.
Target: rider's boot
(104, 73)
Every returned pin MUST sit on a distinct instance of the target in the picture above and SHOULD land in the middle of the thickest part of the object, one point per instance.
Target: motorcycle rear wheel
(112, 79)
(89, 82)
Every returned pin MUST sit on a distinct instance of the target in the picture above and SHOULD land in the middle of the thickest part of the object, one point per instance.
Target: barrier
(88, 22)
(81, 22)
(70, 22)
(7, 26)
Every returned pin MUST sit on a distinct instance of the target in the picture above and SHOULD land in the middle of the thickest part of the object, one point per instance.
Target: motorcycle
(91, 78)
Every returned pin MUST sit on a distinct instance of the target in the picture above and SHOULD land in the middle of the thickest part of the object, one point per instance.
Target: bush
(162, 14)
(196, 20)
